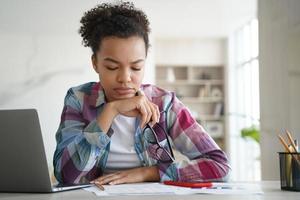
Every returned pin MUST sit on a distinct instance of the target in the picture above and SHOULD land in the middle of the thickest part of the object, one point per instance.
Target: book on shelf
(214, 129)
(218, 111)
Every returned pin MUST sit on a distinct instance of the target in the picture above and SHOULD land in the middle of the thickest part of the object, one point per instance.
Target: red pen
(189, 184)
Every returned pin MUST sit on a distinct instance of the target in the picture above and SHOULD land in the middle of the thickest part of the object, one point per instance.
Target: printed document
(161, 189)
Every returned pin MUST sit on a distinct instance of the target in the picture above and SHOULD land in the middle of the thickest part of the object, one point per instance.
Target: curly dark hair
(121, 20)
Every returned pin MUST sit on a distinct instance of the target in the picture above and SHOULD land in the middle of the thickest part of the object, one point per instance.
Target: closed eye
(111, 68)
(136, 68)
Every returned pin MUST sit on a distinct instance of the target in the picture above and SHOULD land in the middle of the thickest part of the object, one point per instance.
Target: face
(120, 64)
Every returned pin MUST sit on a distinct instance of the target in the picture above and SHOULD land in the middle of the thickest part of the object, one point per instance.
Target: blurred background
(234, 63)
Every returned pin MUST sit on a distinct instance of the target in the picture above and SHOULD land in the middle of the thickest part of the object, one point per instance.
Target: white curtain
(243, 101)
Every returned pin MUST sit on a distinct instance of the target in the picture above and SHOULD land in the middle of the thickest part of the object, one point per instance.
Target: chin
(124, 97)
(121, 97)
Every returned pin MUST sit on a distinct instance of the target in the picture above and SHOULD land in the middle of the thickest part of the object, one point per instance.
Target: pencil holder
(289, 171)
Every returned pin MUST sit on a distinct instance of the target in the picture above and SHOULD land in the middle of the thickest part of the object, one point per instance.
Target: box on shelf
(214, 129)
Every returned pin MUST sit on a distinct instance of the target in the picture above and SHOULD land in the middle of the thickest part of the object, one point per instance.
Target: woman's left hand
(141, 174)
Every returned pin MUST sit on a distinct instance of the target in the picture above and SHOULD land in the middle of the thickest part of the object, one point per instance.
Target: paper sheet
(227, 188)
(134, 189)
(161, 189)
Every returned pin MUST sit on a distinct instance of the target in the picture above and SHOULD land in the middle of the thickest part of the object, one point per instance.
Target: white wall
(190, 51)
(279, 34)
(36, 72)
(41, 57)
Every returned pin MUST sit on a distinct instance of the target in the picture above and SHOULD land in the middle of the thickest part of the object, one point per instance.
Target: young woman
(119, 130)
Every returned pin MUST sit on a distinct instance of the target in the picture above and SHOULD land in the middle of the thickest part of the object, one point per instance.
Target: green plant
(251, 132)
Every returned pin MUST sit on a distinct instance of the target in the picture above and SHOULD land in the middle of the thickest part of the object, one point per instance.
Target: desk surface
(271, 191)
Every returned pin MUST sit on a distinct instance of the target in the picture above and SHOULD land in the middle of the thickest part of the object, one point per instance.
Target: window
(243, 101)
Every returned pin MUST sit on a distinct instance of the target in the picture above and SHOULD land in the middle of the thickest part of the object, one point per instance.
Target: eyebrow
(117, 62)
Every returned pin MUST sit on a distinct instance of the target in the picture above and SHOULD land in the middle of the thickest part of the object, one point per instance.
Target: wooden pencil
(291, 140)
(284, 144)
(288, 150)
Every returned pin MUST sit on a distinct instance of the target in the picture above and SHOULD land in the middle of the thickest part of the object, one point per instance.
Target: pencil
(284, 144)
(288, 150)
(291, 140)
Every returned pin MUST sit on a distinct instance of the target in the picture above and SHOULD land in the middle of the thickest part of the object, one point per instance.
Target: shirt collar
(97, 97)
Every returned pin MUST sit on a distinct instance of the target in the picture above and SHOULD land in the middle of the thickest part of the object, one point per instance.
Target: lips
(124, 90)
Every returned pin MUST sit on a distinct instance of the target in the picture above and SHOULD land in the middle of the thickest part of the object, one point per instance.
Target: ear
(94, 63)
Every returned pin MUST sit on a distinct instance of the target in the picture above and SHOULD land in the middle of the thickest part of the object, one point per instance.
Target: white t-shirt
(122, 154)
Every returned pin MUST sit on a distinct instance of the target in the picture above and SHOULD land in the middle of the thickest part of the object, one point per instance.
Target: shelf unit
(201, 89)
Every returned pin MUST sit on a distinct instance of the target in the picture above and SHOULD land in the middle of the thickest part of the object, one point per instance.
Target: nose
(124, 76)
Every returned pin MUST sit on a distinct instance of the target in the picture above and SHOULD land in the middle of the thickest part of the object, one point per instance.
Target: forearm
(106, 117)
(67, 162)
(151, 174)
(213, 167)
(73, 156)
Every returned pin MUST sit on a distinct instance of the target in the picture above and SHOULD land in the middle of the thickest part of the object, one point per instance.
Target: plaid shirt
(82, 147)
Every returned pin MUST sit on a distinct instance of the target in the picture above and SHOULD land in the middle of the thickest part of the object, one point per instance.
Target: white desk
(271, 191)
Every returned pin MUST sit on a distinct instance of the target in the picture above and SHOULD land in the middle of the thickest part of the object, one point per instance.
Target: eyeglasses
(158, 138)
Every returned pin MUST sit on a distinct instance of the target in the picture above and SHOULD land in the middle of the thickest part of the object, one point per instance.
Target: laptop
(23, 163)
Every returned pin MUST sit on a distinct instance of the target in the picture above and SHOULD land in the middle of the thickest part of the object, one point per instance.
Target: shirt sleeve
(79, 144)
(207, 162)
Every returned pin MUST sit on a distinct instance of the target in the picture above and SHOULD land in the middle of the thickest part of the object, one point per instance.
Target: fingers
(145, 109)
(99, 185)
(155, 113)
(144, 114)
(138, 105)
(132, 113)
(149, 113)
(135, 175)
(109, 179)
(119, 181)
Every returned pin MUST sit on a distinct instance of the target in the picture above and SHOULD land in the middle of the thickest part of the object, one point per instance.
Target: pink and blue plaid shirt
(82, 147)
